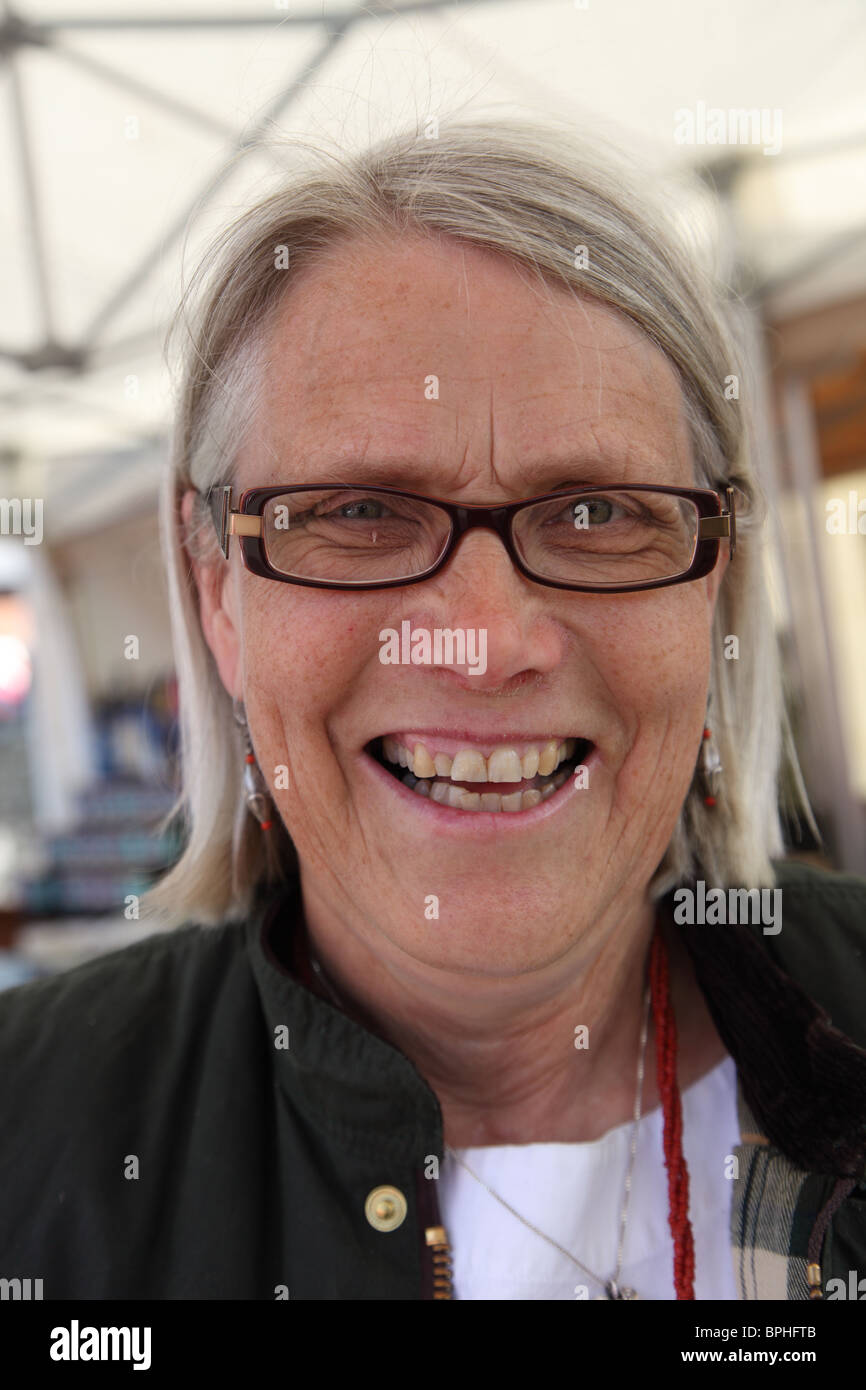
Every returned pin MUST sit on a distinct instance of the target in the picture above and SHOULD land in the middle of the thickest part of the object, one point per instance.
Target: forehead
(412, 354)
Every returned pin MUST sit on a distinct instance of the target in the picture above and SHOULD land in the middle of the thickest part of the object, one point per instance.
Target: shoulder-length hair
(575, 221)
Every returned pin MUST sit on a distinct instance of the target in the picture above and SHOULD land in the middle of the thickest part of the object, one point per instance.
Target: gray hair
(534, 195)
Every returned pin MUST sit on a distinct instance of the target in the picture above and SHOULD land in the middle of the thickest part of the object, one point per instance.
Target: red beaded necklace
(678, 1173)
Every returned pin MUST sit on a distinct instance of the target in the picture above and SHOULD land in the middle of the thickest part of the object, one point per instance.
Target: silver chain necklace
(612, 1287)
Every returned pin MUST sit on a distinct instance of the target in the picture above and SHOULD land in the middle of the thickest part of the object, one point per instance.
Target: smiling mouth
(508, 779)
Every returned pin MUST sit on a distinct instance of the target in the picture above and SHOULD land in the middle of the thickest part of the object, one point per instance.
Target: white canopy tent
(132, 132)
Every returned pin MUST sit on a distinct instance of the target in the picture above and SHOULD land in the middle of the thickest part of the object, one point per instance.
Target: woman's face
(534, 393)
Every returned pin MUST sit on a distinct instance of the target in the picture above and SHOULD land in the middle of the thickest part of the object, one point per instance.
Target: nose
(480, 592)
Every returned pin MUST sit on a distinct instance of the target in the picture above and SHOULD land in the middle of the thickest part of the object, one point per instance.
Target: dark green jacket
(158, 1139)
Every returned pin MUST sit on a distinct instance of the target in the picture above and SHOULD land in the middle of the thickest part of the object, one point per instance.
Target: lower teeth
(447, 794)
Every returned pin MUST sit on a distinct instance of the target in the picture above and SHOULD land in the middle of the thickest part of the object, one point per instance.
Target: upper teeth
(504, 764)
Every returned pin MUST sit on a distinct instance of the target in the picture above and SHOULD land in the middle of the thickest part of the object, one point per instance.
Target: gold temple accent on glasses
(234, 523)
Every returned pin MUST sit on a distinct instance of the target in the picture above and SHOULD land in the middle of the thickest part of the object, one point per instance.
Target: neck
(545, 1056)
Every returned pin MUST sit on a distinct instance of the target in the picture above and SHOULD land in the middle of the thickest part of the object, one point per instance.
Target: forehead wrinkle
(613, 437)
(609, 443)
(633, 341)
(616, 392)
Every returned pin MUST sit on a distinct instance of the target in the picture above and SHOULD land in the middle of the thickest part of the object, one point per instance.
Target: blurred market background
(131, 131)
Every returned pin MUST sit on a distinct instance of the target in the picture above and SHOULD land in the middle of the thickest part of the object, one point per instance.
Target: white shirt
(574, 1193)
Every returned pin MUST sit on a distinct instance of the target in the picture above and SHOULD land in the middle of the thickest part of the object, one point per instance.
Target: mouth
(504, 778)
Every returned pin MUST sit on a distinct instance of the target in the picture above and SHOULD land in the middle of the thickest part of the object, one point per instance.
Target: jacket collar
(805, 1082)
(360, 1090)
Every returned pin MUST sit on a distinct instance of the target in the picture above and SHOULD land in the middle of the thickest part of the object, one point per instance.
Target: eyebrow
(401, 474)
(380, 474)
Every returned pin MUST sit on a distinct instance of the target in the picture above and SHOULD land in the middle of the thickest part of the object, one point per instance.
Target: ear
(717, 574)
(217, 602)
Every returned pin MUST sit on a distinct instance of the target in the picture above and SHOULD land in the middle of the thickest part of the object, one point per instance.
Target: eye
(586, 512)
(594, 510)
(364, 509)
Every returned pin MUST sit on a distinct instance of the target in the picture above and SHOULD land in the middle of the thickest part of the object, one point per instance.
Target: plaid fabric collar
(767, 1192)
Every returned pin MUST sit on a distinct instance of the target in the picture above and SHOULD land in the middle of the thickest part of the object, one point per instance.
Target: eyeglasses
(610, 540)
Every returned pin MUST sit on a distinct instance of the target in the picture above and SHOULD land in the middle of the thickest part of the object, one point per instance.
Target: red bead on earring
(256, 791)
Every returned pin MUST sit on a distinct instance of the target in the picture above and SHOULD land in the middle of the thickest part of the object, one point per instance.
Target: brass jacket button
(385, 1208)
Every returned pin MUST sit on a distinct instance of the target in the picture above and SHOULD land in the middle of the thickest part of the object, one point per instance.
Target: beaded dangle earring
(711, 763)
(256, 792)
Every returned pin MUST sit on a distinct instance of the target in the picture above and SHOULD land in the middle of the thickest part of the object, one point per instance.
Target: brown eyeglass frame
(245, 522)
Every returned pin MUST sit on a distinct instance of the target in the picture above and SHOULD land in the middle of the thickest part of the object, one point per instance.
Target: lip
(478, 825)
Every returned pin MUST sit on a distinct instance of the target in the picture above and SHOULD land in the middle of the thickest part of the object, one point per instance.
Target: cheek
(304, 651)
(655, 658)
(655, 662)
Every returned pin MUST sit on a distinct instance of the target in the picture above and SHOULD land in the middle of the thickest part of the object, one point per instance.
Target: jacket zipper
(436, 1239)
(437, 1275)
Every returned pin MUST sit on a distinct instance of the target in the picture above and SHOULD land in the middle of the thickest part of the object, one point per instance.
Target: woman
(454, 796)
